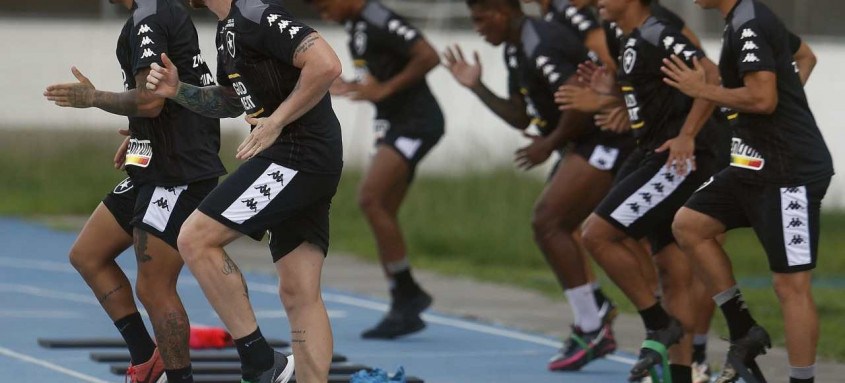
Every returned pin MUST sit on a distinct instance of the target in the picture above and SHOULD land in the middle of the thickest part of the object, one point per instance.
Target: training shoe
(608, 312)
(582, 348)
(151, 371)
(281, 372)
(700, 372)
(740, 361)
(402, 319)
(654, 351)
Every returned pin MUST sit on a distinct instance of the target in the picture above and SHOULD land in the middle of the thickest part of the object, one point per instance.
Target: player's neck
(726, 6)
(221, 8)
(515, 33)
(633, 18)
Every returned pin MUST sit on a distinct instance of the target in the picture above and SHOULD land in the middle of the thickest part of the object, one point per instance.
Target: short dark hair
(512, 4)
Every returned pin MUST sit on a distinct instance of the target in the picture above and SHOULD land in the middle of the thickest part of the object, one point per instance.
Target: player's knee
(684, 228)
(189, 242)
(791, 286)
(296, 295)
(368, 202)
(593, 237)
(83, 261)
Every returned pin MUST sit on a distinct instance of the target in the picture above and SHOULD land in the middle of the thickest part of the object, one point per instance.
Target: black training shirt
(255, 47)
(178, 146)
(785, 147)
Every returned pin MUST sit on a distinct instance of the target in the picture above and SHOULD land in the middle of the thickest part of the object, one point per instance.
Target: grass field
(476, 226)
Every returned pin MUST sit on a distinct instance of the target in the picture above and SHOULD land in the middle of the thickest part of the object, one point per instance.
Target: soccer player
(172, 162)
(277, 70)
(671, 161)
(391, 60)
(541, 56)
(780, 171)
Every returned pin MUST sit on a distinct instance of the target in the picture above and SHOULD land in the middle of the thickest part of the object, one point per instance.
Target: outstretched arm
(512, 109)
(138, 102)
(423, 58)
(212, 101)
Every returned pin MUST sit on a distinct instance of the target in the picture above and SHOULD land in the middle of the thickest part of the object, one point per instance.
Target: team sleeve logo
(548, 69)
(399, 28)
(284, 25)
(749, 46)
(230, 43)
(144, 29)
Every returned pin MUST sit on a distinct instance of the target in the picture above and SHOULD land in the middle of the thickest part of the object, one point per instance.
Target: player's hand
(163, 81)
(368, 89)
(466, 74)
(537, 152)
(264, 134)
(690, 81)
(120, 155)
(681, 158)
(598, 78)
(615, 120)
(571, 97)
(74, 95)
(340, 87)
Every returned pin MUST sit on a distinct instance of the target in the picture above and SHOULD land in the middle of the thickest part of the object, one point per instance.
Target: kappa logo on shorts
(796, 240)
(795, 222)
(658, 186)
(250, 203)
(265, 190)
(635, 207)
(794, 205)
(646, 197)
(162, 203)
(278, 176)
(123, 187)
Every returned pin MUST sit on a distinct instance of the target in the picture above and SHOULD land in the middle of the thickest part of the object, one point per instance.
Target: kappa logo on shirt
(146, 41)
(751, 58)
(397, 27)
(144, 29)
(147, 53)
(584, 25)
(747, 33)
(668, 41)
(749, 46)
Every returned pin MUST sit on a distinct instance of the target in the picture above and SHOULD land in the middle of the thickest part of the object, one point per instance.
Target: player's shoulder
(752, 13)
(262, 12)
(538, 34)
(164, 11)
(376, 14)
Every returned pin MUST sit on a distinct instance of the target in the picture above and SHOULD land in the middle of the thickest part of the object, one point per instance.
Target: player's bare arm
(682, 147)
(137, 102)
(806, 60)
(319, 68)
(423, 58)
(212, 101)
(512, 109)
(758, 95)
(595, 41)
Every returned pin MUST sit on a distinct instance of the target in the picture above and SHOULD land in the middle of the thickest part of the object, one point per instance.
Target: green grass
(475, 226)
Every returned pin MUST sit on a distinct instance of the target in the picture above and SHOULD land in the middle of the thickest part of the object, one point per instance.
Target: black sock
(736, 312)
(680, 374)
(405, 284)
(797, 380)
(699, 353)
(654, 317)
(134, 332)
(180, 375)
(599, 296)
(256, 355)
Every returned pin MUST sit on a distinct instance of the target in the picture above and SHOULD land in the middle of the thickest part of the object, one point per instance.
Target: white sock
(584, 307)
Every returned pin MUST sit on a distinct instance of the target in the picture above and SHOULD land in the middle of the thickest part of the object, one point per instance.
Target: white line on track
(43, 363)
(329, 297)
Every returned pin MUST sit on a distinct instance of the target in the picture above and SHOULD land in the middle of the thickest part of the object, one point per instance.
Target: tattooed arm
(211, 101)
(319, 68)
(138, 102)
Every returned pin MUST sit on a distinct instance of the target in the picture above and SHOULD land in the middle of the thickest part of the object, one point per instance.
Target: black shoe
(740, 361)
(655, 350)
(582, 348)
(402, 319)
(281, 372)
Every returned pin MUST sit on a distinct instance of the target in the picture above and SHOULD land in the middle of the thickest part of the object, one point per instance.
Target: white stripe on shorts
(657, 189)
(161, 206)
(604, 157)
(796, 225)
(408, 146)
(257, 196)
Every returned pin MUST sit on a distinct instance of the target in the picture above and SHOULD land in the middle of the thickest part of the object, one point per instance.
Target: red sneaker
(151, 371)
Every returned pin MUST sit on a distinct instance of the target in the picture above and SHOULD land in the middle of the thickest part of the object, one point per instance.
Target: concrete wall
(38, 53)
